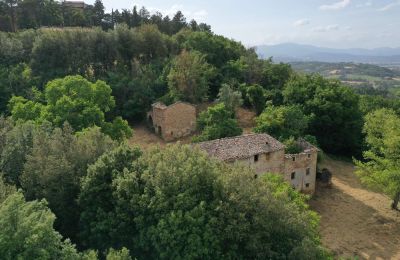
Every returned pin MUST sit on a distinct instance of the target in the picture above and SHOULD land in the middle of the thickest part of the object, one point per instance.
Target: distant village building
(265, 154)
(74, 4)
(172, 122)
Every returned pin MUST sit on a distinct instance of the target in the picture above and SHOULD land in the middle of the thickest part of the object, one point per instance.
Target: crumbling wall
(301, 170)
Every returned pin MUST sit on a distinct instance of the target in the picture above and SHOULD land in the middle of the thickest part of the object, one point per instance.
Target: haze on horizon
(324, 23)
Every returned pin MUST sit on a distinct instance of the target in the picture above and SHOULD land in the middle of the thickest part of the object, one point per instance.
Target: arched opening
(159, 130)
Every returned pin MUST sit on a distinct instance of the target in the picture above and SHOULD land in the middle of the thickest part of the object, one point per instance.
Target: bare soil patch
(145, 138)
(356, 222)
(246, 119)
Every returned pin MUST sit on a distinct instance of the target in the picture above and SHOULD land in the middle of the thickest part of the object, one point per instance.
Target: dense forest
(72, 82)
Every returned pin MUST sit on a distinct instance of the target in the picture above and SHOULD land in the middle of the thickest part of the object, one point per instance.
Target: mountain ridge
(288, 52)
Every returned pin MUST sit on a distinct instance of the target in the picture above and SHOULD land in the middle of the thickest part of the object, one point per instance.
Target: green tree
(216, 123)
(188, 77)
(26, 231)
(59, 158)
(122, 254)
(100, 226)
(14, 80)
(98, 12)
(370, 103)
(231, 99)
(336, 120)
(177, 203)
(75, 100)
(282, 122)
(5, 190)
(255, 96)
(16, 146)
(380, 170)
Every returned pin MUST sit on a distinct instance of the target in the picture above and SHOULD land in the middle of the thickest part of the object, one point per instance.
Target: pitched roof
(241, 147)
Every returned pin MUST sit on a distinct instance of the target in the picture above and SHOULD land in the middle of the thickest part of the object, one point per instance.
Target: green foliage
(16, 146)
(292, 146)
(5, 190)
(255, 96)
(26, 231)
(58, 158)
(282, 122)
(274, 78)
(122, 254)
(75, 100)
(231, 99)
(218, 52)
(336, 120)
(14, 80)
(369, 103)
(216, 123)
(177, 203)
(189, 76)
(100, 226)
(24, 109)
(382, 162)
(118, 130)
(136, 90)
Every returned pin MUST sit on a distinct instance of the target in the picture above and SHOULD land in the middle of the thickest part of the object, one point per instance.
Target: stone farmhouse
(172, 122)
(265, 154)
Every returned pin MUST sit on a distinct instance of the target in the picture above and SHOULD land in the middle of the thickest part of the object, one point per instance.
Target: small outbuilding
(173, 122)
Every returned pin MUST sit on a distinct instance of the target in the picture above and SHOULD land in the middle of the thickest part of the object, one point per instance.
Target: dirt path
(355, 221)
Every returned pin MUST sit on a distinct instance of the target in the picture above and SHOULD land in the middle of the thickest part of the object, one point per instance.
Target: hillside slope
(355, 221)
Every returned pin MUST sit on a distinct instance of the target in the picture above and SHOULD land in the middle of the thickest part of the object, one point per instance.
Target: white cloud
(390, 6)
(328, 28)
(335, 6)
(301, 22)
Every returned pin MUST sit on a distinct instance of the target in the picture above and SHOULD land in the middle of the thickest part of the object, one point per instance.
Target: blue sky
(327, 23)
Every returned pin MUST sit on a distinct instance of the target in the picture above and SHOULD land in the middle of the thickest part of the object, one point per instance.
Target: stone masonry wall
(176, 121)
(300, 170)
(266, 163)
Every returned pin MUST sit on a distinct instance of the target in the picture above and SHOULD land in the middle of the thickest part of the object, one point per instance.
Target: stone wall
(265, 163)
(303, 165)
(175, 121)
(179, 121)
(301, 170)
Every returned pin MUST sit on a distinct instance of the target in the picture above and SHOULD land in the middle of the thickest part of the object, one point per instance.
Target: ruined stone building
(265, 154)
(172, 122)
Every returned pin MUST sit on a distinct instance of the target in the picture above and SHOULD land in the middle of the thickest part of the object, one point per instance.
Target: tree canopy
(177, 203)
(336, 119)
(75, 100)
(26, 231)
(380, 170)
(217, 122)
(189, 77)
(282, 122)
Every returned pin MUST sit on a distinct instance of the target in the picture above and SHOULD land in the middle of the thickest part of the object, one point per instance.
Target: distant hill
(290, 52)
(354, 74)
